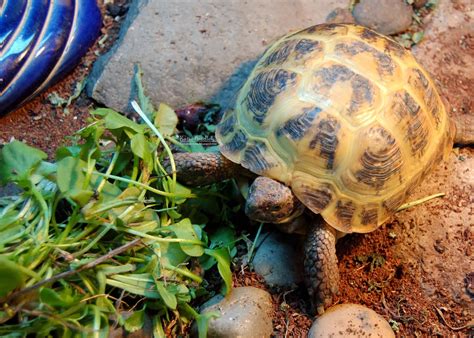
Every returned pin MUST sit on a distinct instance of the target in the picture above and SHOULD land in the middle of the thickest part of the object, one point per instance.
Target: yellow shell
(344, 116)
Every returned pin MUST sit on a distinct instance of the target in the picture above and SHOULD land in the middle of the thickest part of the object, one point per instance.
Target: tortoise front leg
(320, 265)
(196, 169)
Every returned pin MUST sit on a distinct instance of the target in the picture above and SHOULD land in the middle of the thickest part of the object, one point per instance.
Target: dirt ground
(417, 270)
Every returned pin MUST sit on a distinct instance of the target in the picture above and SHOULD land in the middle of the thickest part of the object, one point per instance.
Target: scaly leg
(320, 264)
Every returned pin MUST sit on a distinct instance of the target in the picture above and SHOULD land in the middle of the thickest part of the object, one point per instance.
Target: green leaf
(11, 277)
(172, 254)
(18, 160)
(139, 284)
(166, 120)
(63, 152)
(141, 147)
(71, 180)
(203, 320)
(223, 265)
(52, 298)
(114, 121)
(180, 190)
(143, 100)
(223, 237)
(158, 331)
(418, 36)
(136, 321)
(185, 230)
(168, 297)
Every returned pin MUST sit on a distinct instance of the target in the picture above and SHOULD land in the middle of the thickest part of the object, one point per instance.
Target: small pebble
(419, 3)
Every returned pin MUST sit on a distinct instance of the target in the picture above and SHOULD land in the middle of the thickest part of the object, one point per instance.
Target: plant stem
(420, 201)
(144, 186)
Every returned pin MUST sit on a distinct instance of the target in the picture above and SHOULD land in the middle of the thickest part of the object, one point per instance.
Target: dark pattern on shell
(297, 126)
(255, 158)
(345, 211)
(237, 143)
(325, 29)
(381, 163)
(335, 73)
(227, 126)
(393, 203)
(405, 107)
(384, 61)
(418, 80)
(362, 89)
(362, 92)
(394, 47)
(264, 88)
(305, 46)
(280, 54)
(283, 51)
(326, 137)
(432, 104)
(369, 216)
(369, 35)
(317, 199)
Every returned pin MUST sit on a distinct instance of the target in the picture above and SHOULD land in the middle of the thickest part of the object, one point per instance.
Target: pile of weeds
(102, 237)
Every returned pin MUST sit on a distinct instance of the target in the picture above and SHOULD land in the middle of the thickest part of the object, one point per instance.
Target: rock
(350, 320)
(340, 15)
(278, 261)
(419, 3)
(384, 16)
(245, 312)
(196, 50)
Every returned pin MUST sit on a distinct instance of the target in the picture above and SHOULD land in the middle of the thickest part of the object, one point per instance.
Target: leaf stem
(420, 201)
(144, 186)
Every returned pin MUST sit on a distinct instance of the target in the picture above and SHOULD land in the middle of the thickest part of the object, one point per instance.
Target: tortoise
(337, 120)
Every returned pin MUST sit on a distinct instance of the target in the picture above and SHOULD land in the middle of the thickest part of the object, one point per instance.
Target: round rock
(350, 320)
(245, 312)
(278, 261)
(384, 16)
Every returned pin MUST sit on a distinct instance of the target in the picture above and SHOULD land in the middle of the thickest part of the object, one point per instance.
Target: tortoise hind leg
(196, 169)
(320, 265)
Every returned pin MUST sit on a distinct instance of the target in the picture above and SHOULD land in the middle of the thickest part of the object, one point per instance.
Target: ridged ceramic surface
(41, 41)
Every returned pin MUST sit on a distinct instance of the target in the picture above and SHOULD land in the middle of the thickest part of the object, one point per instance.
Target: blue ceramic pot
(41, 41)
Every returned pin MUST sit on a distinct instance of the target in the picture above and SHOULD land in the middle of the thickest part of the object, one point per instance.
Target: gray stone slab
(197, 50)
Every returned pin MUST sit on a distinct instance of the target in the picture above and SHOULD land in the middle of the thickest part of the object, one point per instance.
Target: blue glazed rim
(40, 42)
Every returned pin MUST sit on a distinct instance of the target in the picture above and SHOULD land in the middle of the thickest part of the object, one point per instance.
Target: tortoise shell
(344, 116)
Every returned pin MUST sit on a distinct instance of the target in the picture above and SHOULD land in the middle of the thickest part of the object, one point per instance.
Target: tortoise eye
(275, 208)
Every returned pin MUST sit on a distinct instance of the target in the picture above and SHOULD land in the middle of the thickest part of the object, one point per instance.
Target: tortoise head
(270, 201)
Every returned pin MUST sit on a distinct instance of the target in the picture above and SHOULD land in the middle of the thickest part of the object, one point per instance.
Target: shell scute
(376, 163)
(325, 140)
(384, 64)
(264, 88)
(348, 93)
(291, 51)
(297, 127)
